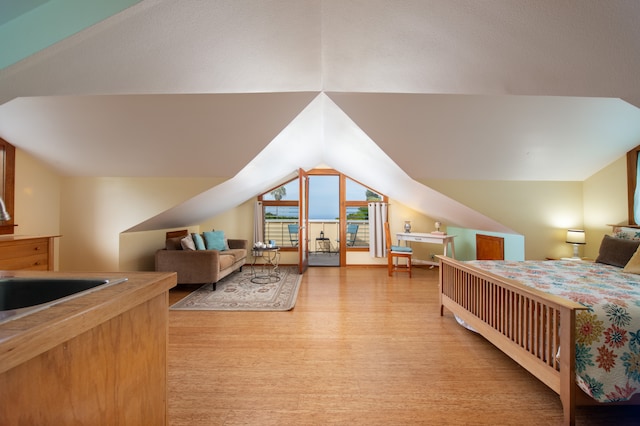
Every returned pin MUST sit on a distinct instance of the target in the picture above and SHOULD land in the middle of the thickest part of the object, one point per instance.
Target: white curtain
(258, 223)
(377, 218)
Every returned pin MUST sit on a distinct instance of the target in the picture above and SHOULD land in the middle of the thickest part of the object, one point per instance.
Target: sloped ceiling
(329, 135)
(447, 89)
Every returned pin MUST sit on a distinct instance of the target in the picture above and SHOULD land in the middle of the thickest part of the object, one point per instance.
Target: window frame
(632, 170)
(343, 203)
(8, 157)
(281, 203)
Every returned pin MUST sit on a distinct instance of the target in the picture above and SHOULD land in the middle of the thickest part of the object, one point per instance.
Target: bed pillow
(198, 241)
(617, 251)
(214, 240)
(627, 233)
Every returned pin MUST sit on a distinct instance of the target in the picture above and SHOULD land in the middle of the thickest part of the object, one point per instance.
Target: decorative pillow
(214, 240)
(187, 243)
(173, 243)
(226, 241)
(616, 251)
(198, 241)
(633, 265)
(627, 233)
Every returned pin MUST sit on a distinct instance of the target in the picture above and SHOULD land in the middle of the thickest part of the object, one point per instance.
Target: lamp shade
(575, 236)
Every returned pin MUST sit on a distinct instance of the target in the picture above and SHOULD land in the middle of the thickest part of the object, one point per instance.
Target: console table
(419, 237)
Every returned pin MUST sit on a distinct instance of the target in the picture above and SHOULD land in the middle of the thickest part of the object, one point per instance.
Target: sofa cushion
(214, 240)
(225, 260)
(237, 254)
(198, 241)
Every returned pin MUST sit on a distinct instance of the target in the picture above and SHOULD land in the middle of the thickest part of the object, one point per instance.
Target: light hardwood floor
(359, 348)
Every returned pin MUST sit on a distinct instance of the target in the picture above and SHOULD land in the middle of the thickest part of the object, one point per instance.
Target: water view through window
(281, 213)
(324, 199)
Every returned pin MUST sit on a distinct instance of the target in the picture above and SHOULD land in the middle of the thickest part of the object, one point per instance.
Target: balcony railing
(278, 230)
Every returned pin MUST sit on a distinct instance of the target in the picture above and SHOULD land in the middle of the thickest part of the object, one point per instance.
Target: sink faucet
(4, 214)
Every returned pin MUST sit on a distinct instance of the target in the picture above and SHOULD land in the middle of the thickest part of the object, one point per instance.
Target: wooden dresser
(21, 252)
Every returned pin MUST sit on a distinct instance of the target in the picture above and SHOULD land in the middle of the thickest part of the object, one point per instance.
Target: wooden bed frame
(528, 325)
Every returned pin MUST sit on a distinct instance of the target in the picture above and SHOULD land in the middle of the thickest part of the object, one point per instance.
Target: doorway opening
(324, 220)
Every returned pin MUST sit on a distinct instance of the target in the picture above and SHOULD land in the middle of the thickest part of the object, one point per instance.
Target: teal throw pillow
(214, 240)
(198, 241)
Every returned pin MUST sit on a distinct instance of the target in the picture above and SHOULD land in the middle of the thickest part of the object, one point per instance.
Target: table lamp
(575, 237)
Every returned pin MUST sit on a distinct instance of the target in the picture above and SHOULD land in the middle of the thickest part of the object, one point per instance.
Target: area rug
(236, 292)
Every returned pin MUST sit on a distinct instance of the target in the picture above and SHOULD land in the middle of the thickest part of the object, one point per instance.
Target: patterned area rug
(236, 292)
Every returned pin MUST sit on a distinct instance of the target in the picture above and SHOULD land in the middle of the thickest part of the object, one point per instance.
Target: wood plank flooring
(359, 348)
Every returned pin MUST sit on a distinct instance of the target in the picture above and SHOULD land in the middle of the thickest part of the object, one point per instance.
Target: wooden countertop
(14, 237)
(26, 337)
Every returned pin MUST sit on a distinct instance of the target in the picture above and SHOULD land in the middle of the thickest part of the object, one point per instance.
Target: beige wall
(96, 210)
(605, 203)
(541, 211)
(92, 213)
(37, 199)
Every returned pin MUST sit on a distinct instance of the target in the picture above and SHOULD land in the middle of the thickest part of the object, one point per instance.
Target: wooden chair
(396, 252)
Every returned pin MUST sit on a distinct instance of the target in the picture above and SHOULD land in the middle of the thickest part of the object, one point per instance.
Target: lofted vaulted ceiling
(446, 89)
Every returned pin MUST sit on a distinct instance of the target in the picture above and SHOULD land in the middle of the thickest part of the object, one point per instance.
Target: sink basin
(20, 296)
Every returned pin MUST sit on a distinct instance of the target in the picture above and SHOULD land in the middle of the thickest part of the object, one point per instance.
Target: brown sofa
(201, 266)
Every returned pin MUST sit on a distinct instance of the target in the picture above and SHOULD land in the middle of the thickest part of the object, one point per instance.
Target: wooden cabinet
(19, 252)
(489, 247)
(98, 359)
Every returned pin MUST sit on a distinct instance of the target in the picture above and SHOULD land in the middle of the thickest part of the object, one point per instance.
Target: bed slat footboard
(526, 324)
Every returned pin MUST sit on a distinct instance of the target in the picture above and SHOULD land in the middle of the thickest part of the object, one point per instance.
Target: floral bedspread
(608, 333)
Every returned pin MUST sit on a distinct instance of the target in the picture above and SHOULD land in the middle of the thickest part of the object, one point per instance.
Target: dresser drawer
(23, 248)
(35, 262)
(30, 254)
